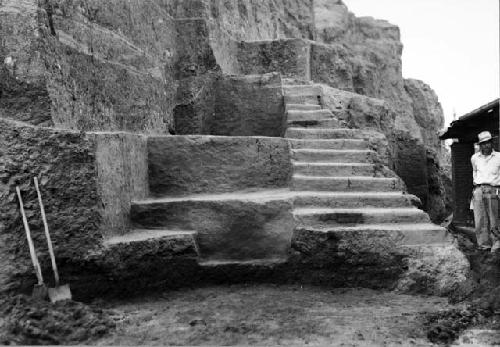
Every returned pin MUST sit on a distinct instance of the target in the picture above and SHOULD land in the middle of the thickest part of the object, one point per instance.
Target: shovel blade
(59, 293)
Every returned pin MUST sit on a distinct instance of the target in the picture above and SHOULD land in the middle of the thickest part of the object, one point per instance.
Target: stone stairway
(337, 190)
(346, 195)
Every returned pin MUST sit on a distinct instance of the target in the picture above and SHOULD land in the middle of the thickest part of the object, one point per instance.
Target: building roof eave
(456, 127)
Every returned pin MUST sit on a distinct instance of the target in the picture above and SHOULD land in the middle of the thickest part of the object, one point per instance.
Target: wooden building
(464, 132)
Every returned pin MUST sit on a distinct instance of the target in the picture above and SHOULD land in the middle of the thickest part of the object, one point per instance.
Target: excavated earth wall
(66, 167)
(87, 182)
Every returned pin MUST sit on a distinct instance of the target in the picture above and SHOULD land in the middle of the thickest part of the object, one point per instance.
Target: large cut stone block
(230, 105)
(195, 104)
(290, 57)
(248, 106)
(149, 247)
(238, 229)
(122, 171)
(195, 164)
(195, 56)
(23, 93)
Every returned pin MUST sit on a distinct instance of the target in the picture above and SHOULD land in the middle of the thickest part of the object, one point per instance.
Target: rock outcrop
(88, 65)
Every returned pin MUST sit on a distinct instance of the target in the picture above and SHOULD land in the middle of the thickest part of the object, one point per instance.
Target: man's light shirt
(486, 168)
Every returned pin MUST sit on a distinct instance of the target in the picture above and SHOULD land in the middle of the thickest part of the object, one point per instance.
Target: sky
(452, 45)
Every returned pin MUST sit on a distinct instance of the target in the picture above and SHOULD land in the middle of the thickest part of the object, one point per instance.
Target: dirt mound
(27, 321)
(481, 293)
(444, 327)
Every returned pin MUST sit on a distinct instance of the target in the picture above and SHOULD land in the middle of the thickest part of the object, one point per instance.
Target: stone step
(303, 99)
(186, 211)
(333, 169)
(267, 262)
(339, 133)
(302, 107)
(290, 81)
(312, 115)
(334, 155)
(354, 199)
(329, 144)
(360, 184)
(302, 90)
(320, 123)
(314, 217)
(141, 235)
(387, 235)
(155, 242)
(243, 225)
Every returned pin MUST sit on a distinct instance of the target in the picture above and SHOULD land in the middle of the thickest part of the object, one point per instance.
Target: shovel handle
(34, 258)
(47, 234)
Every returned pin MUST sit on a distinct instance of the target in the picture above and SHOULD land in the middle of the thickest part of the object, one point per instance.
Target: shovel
(39, 291)
(60, 292)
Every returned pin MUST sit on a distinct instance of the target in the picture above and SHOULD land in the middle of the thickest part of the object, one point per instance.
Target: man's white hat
(484, 136)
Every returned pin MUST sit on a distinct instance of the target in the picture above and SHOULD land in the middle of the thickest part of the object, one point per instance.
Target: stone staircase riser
(371, 240)
(346, 185)
(293, 115)
(352, 201)
(162, 250)
(328, 144)
(351, 218)
(322, 123)
(337, 156)
(334, 171)
(303, 99)
(302, 107)
(297, 90)
(294, 133)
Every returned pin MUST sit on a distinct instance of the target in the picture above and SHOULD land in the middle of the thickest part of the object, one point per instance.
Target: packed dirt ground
(267, 314)
(245, 315)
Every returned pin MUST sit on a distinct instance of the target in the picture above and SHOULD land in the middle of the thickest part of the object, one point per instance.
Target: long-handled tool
(39, 291)
(59, 292)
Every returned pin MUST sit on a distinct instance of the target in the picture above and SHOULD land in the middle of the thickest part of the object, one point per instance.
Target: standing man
(486, 174)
